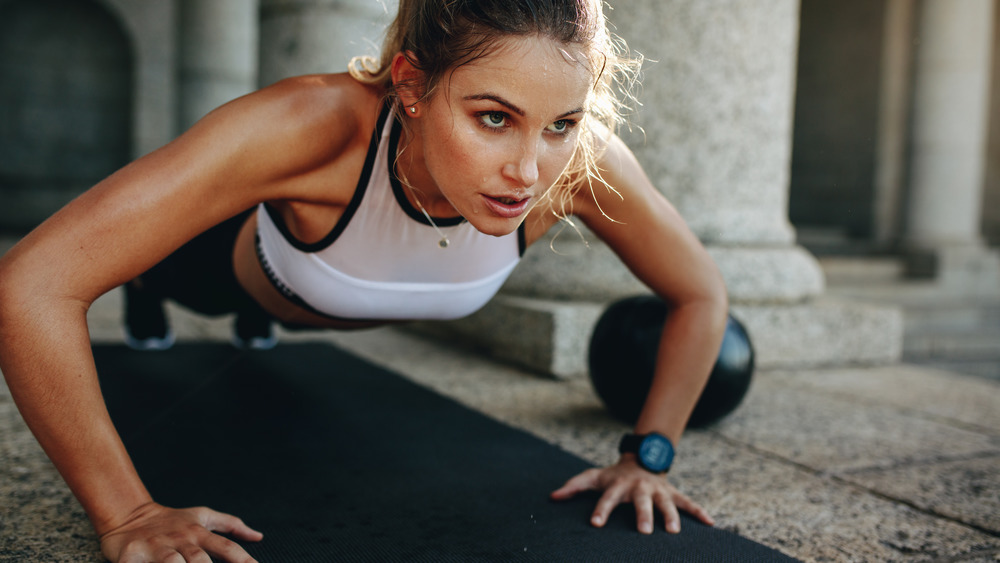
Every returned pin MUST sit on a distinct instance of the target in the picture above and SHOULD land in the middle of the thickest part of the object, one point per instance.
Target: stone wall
(310, 36)
(87, 86)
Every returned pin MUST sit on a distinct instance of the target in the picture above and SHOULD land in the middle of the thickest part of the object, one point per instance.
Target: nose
(522, 168)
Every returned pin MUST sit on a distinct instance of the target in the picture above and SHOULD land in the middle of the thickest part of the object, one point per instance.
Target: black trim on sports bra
(397, 187)
(352, 206)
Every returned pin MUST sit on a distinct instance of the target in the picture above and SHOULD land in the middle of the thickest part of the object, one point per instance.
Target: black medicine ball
(623, 358)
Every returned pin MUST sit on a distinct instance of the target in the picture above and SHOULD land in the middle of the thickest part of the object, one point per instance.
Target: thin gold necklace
(443, 243)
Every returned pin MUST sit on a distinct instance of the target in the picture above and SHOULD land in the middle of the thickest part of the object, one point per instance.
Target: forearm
(688, 348)
(46, 359)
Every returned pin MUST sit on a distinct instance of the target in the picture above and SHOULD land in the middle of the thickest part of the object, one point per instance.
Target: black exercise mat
(335, 459)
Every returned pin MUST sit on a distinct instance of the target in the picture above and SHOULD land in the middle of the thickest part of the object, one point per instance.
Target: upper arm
(646, 231)
(240, 154)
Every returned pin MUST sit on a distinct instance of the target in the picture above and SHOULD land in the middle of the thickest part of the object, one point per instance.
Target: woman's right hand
(158, 533)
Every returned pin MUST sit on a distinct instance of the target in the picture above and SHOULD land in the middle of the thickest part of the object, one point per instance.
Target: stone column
(218, 54)
(150, 25)
(894, 105)
(948, 142)
(716, 136)
(717, 100)
(315, 36)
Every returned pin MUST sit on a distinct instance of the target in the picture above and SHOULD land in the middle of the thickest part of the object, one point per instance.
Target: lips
(505, 206)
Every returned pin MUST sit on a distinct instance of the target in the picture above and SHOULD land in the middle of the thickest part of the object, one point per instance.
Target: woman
(405, 189)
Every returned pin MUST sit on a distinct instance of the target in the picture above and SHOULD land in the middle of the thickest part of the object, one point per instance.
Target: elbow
(12, 298)
(21, 291)
(714, 286)
(703, 291)
(710, 291)
(717, 297)
(710, 297)
(716, 307)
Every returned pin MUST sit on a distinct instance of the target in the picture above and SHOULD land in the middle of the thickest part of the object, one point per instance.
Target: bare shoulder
(333, 103)
(300, 122)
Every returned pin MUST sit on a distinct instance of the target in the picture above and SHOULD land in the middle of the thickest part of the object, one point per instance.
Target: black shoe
(146, 325)
(252, 331)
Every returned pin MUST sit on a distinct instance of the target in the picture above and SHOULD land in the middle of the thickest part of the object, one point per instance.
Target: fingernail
(674, 527)
(596, 520)
(646, 528)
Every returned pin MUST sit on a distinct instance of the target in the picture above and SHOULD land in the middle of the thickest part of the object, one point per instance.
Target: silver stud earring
(413, 109)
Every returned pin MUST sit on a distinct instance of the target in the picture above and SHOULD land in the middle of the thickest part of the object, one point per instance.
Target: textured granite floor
(895, 463)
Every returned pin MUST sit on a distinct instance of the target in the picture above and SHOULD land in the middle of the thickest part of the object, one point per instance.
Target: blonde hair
(438, 36)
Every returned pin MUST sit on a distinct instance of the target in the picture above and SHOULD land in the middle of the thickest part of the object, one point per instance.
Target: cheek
(554, 160)
(470, 158)
(460, 161)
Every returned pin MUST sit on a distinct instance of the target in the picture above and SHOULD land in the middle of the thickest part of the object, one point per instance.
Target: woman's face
(499, 131)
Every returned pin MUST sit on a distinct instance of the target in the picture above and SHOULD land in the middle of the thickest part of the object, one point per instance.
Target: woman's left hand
(626, 482)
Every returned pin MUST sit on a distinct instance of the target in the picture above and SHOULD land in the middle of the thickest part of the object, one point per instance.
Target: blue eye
(494, 119)
(561, 127)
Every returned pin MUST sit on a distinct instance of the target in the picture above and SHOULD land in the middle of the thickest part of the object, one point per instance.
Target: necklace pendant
(443, 243)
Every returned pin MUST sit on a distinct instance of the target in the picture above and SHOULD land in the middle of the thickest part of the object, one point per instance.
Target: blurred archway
(66, 71)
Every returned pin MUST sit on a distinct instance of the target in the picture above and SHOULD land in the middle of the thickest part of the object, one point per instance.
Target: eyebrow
(500, 100)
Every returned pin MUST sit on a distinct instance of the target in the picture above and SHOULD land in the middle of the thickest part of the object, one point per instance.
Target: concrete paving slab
(965, 490)
(955, 399)
(979, 368)
(988, 556)
(39, 518)
(816, 519)
(834, 435)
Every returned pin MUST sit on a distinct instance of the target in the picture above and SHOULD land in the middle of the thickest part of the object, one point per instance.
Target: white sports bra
(382, 260)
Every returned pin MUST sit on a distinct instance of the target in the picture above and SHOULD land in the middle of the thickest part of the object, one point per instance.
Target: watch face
(656, 453)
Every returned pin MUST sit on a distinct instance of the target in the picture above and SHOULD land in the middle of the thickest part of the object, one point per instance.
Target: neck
(421, 190)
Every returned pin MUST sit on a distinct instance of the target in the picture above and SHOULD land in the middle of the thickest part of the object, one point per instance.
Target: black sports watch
(654, 451)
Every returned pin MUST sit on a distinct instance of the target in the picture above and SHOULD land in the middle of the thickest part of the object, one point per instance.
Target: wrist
(110, 527)
(630, 459)
(653, 452)
(109, 517)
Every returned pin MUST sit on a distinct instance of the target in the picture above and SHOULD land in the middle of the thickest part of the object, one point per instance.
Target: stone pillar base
(972, 268)
(547, 336)
(823, 332)
(552, 337)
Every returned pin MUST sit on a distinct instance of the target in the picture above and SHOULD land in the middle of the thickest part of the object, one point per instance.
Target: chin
(497, 228)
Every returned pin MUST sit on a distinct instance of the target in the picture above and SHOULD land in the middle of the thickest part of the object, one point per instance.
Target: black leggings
(199, 275)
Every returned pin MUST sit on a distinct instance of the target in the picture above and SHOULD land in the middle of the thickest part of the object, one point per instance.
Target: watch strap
(630, 443)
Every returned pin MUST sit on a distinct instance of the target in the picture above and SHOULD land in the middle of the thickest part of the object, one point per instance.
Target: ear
(407, 79)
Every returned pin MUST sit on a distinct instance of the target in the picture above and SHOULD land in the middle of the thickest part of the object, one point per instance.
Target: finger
(694, 509)
(169, 556)
(586, 481)
(643, 502)
(672, 519)
(608, 501)
(228, 524)
(129, 557)
(226, 550)
(195, 554)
